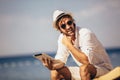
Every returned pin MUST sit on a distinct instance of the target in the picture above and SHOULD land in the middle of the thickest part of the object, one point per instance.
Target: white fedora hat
(57, 15)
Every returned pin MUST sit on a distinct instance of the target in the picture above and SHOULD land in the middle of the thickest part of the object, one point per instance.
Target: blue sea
(29, 68)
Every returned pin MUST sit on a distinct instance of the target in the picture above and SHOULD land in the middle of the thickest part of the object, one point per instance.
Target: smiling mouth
(70, 31)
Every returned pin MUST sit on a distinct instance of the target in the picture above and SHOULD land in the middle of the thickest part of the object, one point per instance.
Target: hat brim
(58, 18)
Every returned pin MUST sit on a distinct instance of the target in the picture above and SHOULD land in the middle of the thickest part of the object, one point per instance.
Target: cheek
(62, 31)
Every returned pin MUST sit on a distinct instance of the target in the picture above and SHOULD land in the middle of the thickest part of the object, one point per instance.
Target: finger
(49, 61)
(45, 62)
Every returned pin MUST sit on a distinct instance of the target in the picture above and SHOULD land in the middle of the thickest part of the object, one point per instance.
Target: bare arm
(79, 55)
(49, 62)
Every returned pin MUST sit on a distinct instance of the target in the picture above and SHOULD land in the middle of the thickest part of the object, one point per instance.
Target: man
(84, 47)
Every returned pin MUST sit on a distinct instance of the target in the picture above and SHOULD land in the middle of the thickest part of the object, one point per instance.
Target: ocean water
(29, 68)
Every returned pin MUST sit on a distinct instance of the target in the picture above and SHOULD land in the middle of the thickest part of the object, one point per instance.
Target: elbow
(58, 65)
(84, 60)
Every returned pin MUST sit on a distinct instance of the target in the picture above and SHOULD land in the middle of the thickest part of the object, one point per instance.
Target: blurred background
(26, 28)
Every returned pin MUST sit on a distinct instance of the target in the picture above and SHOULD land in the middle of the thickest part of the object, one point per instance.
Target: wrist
(70, 46)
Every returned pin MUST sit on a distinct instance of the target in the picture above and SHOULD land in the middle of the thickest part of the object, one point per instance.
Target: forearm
(79, 55)
(57, 64)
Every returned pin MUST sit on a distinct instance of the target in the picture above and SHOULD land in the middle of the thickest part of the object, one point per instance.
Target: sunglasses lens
(69, 22)
(63, 26)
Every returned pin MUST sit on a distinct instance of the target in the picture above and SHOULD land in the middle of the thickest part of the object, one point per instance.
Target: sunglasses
(63, 26)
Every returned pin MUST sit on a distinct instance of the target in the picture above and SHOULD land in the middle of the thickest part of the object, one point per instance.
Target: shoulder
(60, 37)
(84, 30)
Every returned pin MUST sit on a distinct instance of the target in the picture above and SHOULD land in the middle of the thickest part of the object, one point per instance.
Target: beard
(70, 32)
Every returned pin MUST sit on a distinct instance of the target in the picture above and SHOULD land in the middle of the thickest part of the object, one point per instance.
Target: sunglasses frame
(63, 26)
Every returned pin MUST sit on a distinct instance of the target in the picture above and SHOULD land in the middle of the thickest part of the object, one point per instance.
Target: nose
(68, 26)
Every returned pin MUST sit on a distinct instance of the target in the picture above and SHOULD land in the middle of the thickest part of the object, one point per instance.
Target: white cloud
(114, 3)
(99, 8)
(24, 33)
(91, 11)
(26, 20)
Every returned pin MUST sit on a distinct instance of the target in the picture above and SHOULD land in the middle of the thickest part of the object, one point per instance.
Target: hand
(67, 41)
(47, 62)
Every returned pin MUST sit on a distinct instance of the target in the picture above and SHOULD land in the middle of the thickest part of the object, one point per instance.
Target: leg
(62, 73)
(87, 72)
(55, 75)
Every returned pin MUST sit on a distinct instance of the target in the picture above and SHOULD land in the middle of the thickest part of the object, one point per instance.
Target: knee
(83, 68)
(54, 75)
(89, 70)
(84, 73)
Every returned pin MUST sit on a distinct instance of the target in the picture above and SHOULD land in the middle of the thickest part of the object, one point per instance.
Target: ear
(74, 24)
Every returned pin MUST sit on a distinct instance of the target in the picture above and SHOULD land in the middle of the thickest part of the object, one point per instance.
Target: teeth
(69, 31)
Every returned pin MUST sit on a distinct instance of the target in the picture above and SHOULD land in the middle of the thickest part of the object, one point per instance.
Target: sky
(26, 25)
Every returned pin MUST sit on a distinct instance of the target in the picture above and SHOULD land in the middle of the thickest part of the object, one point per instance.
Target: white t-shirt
(87, 42)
